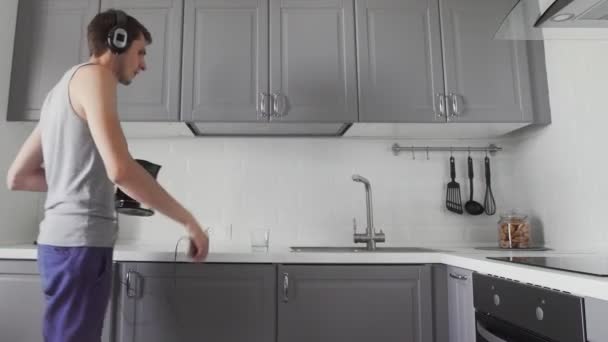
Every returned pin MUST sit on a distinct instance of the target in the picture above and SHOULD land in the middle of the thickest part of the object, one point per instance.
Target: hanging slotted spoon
(453, 200)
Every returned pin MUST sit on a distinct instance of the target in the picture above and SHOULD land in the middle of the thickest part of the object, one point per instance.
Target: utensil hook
(427, 153)
(413, 153)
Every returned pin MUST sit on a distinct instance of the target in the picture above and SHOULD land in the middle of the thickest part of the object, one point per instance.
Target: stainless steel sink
(354, 249)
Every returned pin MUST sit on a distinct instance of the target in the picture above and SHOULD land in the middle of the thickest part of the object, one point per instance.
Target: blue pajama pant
(76, 282)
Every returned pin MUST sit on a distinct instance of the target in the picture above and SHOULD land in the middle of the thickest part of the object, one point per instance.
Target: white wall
(301, 189)
(18, 213)
(562, 172)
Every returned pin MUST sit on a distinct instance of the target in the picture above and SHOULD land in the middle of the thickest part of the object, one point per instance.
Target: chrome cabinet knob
(279, 105)
(455, 106)
(440, 105)
(496, 300)
(540, 314)
(263, 110)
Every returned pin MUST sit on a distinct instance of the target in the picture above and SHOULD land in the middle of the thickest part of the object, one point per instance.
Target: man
(77, 153)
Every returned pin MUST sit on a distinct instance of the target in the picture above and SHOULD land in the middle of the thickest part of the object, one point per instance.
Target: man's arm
(26, 172)
(94, 90)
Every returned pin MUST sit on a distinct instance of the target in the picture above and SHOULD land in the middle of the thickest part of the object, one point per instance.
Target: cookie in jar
(514, 230)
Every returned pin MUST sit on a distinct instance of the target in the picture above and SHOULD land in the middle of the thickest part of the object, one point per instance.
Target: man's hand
(199, 243)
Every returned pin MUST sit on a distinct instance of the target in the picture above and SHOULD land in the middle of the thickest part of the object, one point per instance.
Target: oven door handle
(488, 336)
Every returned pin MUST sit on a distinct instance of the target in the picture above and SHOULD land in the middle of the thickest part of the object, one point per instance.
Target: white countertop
(469, 258)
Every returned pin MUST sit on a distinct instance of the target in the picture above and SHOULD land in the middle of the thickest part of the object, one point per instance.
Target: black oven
(510, 311)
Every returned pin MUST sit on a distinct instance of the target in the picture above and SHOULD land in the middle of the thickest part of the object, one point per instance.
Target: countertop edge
(573, 283)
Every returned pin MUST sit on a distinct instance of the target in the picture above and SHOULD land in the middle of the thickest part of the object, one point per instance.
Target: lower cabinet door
(22, 301)
(196, 302)
(461, 311)
(354, 303)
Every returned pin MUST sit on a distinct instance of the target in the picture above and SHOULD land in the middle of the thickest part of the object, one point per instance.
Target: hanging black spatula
(453, 201)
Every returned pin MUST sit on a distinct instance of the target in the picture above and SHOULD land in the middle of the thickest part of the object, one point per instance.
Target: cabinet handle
(486, 334)
(285, 287)
(456, 105)
(279, 104)
(133, 284)
(441, 105)
(458, 276)
(263, 113)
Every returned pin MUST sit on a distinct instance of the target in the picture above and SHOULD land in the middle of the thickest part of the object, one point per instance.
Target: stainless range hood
(556, 19)
(269, 129)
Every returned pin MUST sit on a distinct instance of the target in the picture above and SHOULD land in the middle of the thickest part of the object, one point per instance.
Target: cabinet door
(154, 94)
(22, 301)
(595, 317)
(460, 305)
(312, 60)
(400, 61)
(225, 62)
(50, 38)
(354, 303)
(490, 78)
(196, 302)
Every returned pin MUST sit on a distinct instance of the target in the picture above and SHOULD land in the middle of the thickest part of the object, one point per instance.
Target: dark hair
(100, 26)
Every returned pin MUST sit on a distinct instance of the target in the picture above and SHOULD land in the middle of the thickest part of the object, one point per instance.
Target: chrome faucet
(371, 236)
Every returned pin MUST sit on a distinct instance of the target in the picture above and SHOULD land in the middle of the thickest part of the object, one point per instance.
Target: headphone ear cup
(118, 40)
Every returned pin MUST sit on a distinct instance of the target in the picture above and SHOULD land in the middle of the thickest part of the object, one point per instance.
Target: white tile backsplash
(301, 189)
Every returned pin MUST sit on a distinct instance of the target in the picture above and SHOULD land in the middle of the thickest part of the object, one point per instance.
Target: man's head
(127, 62)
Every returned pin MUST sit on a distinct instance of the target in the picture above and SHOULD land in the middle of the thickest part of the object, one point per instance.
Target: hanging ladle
(472, 207)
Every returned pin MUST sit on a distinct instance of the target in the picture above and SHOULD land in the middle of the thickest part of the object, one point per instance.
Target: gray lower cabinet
(400, 62)
(154, 94)
(312, 61)
(196, 302)
(50, 38)
(22, 301)
(596, 311)
(486, 80)
(461, 312)
(354, 303)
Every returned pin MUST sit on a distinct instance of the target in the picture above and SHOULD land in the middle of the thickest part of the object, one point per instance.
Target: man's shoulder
(94, 74)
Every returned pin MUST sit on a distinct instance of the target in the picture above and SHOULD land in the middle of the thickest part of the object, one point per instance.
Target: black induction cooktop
(596, 266)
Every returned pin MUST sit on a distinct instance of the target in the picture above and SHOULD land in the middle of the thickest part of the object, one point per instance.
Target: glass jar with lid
(514, 230)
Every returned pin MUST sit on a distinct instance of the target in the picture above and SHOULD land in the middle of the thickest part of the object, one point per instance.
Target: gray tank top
(79, 208)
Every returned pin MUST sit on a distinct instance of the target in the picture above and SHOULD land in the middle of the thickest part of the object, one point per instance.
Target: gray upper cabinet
(461, 312)
(354, 303)
(489, 79)
(22, 301)
(196, 302)
(154, 94)
(424, 61)
(400, 62)
(312, 61)
(50, 38)
(225, 61)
